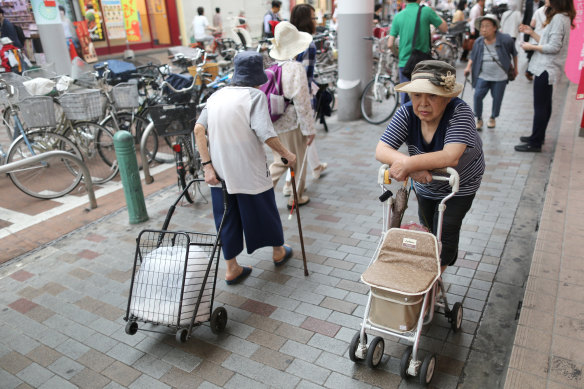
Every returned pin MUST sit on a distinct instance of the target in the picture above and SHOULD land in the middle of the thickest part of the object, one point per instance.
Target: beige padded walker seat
(408, 262)
(406, 268)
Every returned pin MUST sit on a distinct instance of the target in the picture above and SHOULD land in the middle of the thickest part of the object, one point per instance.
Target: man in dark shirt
(271, 16)
(7, 30)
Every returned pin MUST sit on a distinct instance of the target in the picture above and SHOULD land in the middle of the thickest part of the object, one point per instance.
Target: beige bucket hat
(493, 18)
(433, 77)
(288, 42)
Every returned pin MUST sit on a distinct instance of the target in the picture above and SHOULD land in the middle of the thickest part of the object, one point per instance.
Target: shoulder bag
(416, 55)
(510, 71)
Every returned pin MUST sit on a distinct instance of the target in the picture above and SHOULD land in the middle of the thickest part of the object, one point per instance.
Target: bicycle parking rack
(148, 179)
(56, 154)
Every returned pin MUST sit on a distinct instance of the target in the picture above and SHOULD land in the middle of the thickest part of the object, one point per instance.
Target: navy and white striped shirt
(456, 126)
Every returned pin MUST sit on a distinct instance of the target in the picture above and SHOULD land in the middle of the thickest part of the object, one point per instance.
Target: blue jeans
(497, 89)
(404, 96)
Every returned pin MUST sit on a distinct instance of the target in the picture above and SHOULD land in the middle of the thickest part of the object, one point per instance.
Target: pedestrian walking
(237, 123)
(510, 21)
(547, 66)
(476, 12)
(271, 18)
(490, 60)
(404, 26)
(304, 19)
(439, 131)
(296, 126)
(218, 22)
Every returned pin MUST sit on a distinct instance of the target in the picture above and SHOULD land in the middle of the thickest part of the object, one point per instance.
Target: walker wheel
(181, 335)
(427, 369)
(218, 320)
(375, 352)
(456, 317)
(355, 342)
(131, 328)
(405, 362)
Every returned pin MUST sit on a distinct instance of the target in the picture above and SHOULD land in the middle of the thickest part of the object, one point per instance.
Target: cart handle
(453, 178)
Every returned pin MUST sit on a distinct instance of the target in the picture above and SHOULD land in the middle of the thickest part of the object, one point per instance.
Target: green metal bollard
(128, 165)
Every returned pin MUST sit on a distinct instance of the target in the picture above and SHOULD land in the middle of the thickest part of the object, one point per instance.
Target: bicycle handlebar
(184, 90)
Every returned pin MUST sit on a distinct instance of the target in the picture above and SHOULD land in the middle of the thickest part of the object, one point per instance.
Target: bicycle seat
(212, 56)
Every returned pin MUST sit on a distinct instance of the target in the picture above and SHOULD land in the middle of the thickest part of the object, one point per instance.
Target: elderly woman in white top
(237, 122)
(295, 127)
(546, 65)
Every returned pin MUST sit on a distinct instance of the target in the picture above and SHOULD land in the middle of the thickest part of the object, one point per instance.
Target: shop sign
(132, 20)
(92, 14)
(575, 60)
(44, 14)
(113, 16)
(87, 49)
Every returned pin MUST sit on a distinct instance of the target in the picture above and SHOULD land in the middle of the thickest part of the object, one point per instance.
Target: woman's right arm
(556, 35)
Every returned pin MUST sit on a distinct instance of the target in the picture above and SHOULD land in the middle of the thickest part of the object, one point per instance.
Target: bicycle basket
(125, 95)
(39, 73)
(173, 119)
(86, 104)
(38, 111)
(17, 82)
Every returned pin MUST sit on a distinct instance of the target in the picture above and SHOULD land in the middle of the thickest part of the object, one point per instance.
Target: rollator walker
(405, 286)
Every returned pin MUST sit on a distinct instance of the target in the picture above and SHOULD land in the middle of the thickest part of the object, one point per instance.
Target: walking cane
(285, 161)
(464, 87)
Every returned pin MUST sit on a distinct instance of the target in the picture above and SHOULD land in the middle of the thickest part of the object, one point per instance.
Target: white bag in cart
(158, 282)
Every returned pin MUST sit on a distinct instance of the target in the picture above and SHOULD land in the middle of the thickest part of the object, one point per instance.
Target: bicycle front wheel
(445, 51)
(45, 179)
(379, 100)
(192, 165)
(96, 143)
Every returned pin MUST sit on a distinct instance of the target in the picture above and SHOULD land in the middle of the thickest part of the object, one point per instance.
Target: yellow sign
(132, 20)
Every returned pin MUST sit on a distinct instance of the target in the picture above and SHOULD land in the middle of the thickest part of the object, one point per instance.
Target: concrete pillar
(355, 21)
(48, 20)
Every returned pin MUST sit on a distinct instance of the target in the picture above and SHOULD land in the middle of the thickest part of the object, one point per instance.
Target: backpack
(277, 103)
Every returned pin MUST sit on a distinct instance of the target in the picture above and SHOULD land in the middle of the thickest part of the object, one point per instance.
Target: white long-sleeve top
(554, 43)
(295, 88)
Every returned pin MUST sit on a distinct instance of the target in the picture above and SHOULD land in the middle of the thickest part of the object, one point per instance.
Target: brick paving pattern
(62, 307)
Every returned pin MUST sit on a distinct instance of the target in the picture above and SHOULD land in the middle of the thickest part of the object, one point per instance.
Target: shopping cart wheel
(354, 345)
(218, 320)
(181, 335)
(405, 362)
(131, 327)
(375, 352)
(427, 369)
(456, 317)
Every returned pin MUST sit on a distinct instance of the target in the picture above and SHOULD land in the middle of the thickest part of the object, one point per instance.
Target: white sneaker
(316, 173)
(287, 189)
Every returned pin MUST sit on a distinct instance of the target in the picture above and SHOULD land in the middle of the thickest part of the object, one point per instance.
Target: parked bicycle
(44, 179)
(379, 99)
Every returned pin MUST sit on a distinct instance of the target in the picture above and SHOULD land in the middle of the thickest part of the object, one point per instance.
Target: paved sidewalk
(548, 350)
(62, 307)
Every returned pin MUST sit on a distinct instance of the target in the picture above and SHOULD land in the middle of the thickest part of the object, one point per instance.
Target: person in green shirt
(403, 26)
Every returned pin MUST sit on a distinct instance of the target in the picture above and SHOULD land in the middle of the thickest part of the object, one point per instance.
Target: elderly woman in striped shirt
(439, 130)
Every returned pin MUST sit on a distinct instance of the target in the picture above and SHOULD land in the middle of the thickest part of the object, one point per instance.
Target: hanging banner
(132, 20)
(575, 60)
(92, 14)
(87, 49)
(113, 16)
(45, 14)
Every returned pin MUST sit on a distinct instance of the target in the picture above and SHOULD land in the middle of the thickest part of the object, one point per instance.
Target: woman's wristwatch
(206, 163)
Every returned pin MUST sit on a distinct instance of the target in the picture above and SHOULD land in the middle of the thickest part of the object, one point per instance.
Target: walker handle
(453, 179)
(382, 177)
